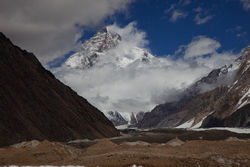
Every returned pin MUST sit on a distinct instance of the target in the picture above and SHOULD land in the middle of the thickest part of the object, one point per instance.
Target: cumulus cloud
(246, 4)
(130, 35)
(50, 28)
(141, 86)
(200, 46)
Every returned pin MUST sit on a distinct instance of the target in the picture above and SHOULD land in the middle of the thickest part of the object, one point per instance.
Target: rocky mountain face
(133, 120)
(35, 105)
(233, 109)
(88, 55)
(97, 51)
(220, 99)
(139, 116)
(116, 118)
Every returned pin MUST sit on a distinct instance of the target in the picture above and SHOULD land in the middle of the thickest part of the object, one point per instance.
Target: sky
(169, 24)
(188, 39)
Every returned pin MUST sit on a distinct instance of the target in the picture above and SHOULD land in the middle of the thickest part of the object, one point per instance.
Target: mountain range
(224, 102)
(36, 105)
(219, 99)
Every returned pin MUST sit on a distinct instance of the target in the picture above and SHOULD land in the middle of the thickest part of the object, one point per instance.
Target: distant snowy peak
(222, 76)
(245, 54)
(102, 41)
(100, 50)
(116, 118)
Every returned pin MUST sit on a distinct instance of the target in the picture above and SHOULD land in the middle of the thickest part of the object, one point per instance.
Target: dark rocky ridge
(35, 105)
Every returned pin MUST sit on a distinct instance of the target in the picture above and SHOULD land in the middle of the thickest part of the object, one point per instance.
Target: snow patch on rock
(187, 124)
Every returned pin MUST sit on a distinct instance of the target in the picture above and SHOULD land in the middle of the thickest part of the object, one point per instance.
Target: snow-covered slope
(98, 51)
(221, 76)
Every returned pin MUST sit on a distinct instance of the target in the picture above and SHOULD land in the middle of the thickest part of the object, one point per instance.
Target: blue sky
(227, 22)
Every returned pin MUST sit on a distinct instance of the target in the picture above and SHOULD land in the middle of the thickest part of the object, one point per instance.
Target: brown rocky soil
(105, 153)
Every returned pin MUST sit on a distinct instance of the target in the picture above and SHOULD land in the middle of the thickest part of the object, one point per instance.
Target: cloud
(50, 28)
(234, 29)
(200, 46)
(246, 4)
(201, 16)
(141, 86)
(201, 20)
(130, 35)
(175, 10)
(198, 9)
(171, 8)
(238, 31)
(177, 14)
(243, 34)
(186, 2)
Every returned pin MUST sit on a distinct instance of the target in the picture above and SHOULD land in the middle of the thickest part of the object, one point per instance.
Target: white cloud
(139, 87)
(200, 46)
(49, 27)
(246, 4)
(131, 35)
(177, 14)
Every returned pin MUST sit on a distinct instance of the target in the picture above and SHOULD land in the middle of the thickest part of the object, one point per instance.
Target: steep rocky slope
(35, 105)
(233, 109)
(220, 99)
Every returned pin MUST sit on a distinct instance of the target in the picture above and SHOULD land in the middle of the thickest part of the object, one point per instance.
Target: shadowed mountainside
(35, 105)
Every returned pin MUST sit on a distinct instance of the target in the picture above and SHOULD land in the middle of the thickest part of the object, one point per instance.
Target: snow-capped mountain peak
(107, 47)
(87, 56)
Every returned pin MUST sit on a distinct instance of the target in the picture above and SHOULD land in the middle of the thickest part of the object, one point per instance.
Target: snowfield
(235, 130)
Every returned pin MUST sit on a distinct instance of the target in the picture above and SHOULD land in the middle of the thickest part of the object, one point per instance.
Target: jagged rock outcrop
(35, 105)
(139, 116)
(133, 120)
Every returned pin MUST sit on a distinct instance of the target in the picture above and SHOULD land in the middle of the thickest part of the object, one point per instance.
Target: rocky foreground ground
(115, 152)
